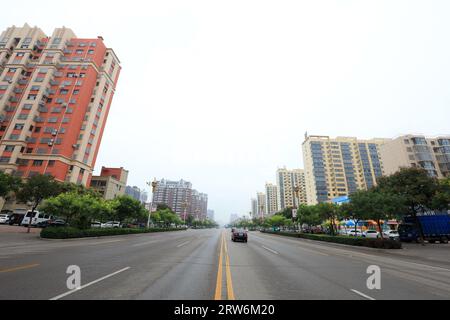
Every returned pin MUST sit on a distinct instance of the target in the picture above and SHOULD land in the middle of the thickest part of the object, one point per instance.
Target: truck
(436, 227)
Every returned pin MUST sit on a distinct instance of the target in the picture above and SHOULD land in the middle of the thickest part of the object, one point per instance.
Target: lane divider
(362, 294)
(183, 244)
(28, 266)
(89, 284)
(223, 255)
(268, 249)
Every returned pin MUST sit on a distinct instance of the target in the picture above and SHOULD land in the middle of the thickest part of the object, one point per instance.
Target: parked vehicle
(35, 218)
(354, 233)
(371, 234)
(4, 218)
(435, 228)
(239, 235)
(96, 225)
(52, 223)
(110, 224)
(392, 234)
(16, 218)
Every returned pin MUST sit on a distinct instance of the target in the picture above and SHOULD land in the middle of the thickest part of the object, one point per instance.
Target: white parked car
(96, 225)
(4, 218)
(110, 224)
(391, 234)
(354, 233)
(372, 234)
(38, 217)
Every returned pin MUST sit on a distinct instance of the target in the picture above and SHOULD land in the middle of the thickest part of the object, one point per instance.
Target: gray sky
(221, 92)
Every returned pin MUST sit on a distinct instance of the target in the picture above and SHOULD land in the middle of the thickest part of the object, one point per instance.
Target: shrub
(72, 233)
(361, 242)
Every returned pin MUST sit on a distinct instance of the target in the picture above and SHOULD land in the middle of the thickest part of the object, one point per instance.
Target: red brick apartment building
(55, 96)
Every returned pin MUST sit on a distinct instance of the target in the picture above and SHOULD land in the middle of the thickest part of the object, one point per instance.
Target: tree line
(408, 192)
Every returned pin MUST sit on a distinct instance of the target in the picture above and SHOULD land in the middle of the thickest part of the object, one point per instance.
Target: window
(53, 120)
(38, 163)
(51, 163)
(63, 91)
(32, 97)
(79, 51)
(22, 116)
(35, 88)
(37, 129)
(9, 148)
(27, 106)
(90, 51)
(3, 128)
(18, 126)
(76, 91)
(29, 150)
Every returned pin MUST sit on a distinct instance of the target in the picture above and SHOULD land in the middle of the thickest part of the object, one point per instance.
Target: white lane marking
(268, 249)
(89, 284)
(313, 251)
(183, 244)
(102, 242)
(362, 294)
(145, 243)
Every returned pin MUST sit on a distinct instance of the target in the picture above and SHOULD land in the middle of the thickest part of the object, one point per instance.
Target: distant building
(261, 204)
(111, 182)
(271, 199)
(254, 206)
(144, 196)
(211, 215)
(287, 181)
(417, 151)
(181, 198)
(234, 217)
(133, 192)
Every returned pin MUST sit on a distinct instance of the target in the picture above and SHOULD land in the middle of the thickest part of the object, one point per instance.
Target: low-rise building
(111, 183)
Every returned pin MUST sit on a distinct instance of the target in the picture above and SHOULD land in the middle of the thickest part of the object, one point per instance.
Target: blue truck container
(435, 227)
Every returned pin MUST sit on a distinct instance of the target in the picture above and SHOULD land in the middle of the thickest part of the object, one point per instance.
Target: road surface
(206, 265)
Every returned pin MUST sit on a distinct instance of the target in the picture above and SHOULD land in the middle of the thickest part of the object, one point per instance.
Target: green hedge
(361, 242)
(71, 233)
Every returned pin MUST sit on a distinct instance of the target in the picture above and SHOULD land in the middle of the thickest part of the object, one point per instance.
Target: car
(36, 218)
(392, 234)
(239, 235)
(16, 218)
(371, 234)
(4, 218)
(110, 225)
(52, 223)
(354, 233)
(96, 225)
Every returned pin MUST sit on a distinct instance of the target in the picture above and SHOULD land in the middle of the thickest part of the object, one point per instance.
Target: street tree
(330, 212)
(35, 190)
(126, 207)
(8, 184)
(418, 190)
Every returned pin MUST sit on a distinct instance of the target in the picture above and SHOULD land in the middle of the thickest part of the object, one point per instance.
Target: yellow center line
(230, 291)
(29, 266)
(218, 293)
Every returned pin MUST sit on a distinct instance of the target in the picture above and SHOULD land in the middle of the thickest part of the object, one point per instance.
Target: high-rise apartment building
(287, 181)
(133, 192)
(340, 166)
(271, 199)
(254, 208)
(211, 215)
(181, 198)
(431, 154)
(261, 204)
(55, 96)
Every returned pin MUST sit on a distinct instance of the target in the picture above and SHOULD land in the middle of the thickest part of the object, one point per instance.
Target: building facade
(133, 192)
(111, 183)
(55, 96)
(271, 199)
(211, 215)
(261, 204)
(431, 154)
(336, 167)
(254, 208)
(181, 198)
(287, 181)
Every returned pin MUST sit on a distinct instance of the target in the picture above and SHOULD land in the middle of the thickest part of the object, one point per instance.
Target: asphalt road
(206, 265)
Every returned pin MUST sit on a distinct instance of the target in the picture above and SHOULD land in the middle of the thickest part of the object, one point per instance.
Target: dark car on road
(16, 218)
(239, 235)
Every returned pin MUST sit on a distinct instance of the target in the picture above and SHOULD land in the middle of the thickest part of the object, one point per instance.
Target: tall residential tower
(55, 96)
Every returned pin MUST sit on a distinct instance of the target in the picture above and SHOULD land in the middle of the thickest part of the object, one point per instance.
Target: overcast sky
(220, 93)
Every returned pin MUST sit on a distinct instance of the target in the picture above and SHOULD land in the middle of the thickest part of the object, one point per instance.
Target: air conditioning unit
(55, 132)
(50, 144)
(75, 146)
(64, 105)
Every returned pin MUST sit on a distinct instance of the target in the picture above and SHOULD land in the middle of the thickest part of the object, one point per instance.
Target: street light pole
(297, 197)
(153, 184)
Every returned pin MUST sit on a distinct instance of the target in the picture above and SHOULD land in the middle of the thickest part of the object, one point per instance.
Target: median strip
(89, 284)
(28, 266)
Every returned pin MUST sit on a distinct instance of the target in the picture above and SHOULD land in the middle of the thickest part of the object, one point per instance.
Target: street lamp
(154, 185)
(185, 205)
(297, 202)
